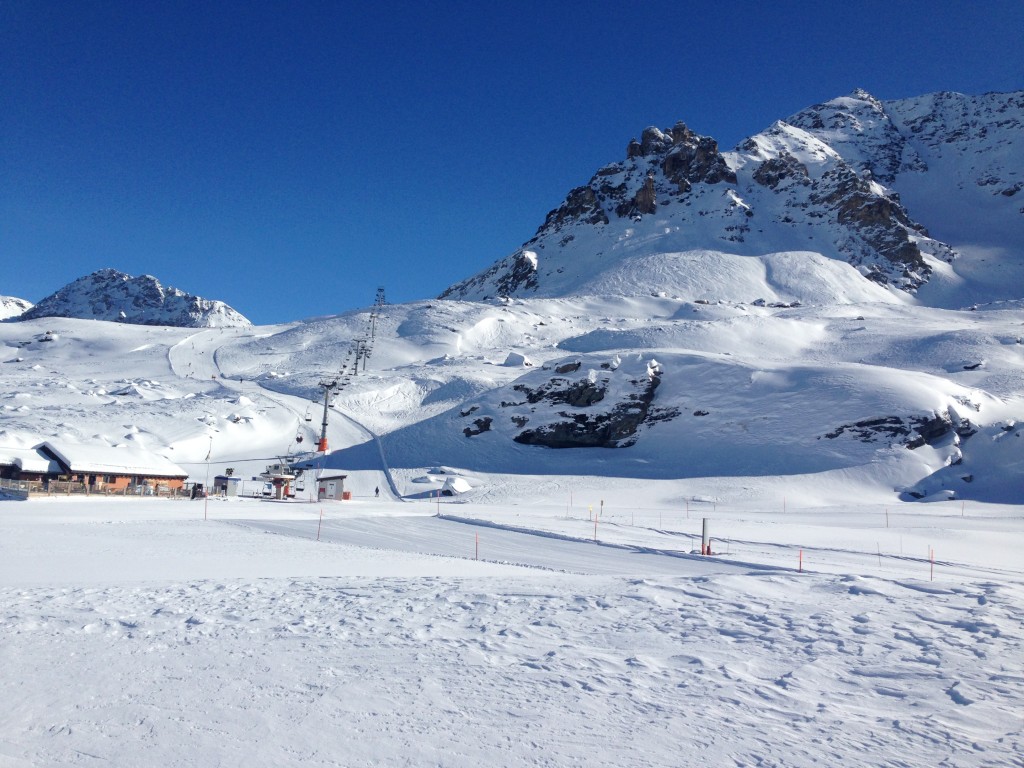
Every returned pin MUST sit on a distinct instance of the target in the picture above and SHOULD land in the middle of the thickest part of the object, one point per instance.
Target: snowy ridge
(11, 307)
(111, 295)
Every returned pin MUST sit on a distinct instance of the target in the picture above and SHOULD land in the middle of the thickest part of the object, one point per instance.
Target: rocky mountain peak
(827, 180)
(108, 294)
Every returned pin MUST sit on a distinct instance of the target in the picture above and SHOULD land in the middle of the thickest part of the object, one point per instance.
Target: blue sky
(288, 158)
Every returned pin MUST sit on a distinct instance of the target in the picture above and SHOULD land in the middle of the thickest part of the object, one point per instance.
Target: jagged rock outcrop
(117, 297)
(909, 431)
(595, 408)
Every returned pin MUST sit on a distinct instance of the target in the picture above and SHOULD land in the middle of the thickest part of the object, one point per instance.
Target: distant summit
(901, 191)
(114, 296)
(12, 307)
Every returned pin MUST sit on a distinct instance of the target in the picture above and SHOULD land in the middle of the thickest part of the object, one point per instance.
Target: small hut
(223, 485)
(332, 487)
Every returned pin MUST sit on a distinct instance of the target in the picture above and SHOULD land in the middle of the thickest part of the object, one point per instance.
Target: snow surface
(222, 632)
(138, 633)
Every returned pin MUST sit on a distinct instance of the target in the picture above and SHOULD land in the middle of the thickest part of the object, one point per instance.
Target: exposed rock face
(111, 295)
(613, 427)
(785, 167)
(881, 223)
(572, 406)
(909, 431)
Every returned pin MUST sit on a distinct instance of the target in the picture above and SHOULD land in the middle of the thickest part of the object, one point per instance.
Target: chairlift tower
(326, 386)
(379, 302)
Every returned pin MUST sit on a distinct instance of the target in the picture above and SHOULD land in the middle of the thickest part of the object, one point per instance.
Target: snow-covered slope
(898, 190)
(889, 397)
(630, 348)
(111, 295)
(12, 307)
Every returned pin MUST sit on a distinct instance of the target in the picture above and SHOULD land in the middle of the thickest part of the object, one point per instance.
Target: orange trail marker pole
(801, 562)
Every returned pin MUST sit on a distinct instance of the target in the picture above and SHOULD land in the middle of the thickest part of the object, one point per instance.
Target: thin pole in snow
(801, 562)
(931, 556)
(476, 555)
(879, 554)
(320, 524)
(206, 488)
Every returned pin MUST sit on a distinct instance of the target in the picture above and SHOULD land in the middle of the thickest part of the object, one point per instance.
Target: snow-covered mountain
(903, 192)
(690, 322)
(111, 295)
(12, 307)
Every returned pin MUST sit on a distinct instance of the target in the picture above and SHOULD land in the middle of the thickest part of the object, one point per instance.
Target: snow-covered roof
(28, 460)
(107, 460)
(456, 485)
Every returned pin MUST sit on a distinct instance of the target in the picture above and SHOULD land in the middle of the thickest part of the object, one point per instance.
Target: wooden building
(62, 466)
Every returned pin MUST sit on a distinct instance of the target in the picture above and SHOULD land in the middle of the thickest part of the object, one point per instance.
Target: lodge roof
(108, 460)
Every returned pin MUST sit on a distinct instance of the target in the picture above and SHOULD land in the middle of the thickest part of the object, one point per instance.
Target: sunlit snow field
(140, 633)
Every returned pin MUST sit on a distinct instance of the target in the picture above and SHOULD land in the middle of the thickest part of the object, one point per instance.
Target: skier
(376, 492)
